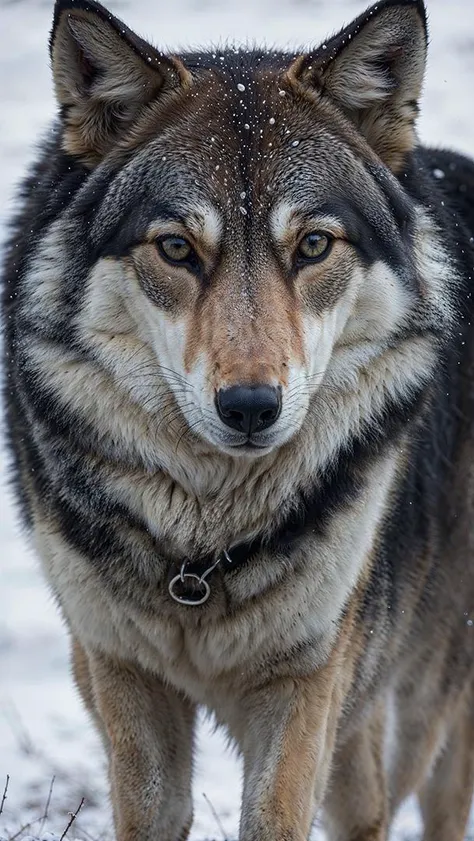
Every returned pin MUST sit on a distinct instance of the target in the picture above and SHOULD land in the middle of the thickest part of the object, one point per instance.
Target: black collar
(188, 580)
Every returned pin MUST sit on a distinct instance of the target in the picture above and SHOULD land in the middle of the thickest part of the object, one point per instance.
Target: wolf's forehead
(206, 222)
(220, 174)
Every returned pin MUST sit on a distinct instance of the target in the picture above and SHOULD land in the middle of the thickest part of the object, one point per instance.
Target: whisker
(155, 399)
(188, 431)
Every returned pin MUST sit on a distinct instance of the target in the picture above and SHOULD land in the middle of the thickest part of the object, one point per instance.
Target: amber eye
(314, 246)
(176, 250)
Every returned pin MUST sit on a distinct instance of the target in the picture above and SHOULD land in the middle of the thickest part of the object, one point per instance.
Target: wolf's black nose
(249, 408)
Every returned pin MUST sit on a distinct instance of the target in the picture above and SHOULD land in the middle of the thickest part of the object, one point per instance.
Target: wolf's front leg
(149, 729)
(287, 746)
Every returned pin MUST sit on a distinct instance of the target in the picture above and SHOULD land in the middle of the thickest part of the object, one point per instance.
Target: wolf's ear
(104, 76)
(374, 71)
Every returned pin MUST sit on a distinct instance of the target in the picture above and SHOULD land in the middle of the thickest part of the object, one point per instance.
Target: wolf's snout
(249, 408)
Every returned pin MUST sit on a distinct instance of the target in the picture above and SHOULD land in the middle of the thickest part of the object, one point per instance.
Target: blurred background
(47, 747)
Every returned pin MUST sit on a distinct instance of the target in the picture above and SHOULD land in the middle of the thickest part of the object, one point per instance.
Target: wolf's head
(249, 243)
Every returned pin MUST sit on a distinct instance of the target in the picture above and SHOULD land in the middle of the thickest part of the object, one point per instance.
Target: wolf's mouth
(249, 445)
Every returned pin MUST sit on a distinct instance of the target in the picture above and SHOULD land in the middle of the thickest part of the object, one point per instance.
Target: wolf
(239, 386)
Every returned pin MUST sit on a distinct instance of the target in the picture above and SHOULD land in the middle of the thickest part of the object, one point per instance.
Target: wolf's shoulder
(445, 175)
(452, 168)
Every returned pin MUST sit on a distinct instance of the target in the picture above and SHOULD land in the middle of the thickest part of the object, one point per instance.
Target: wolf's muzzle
(249, 408)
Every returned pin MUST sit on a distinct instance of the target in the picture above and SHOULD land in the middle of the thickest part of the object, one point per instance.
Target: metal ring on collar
(181, 579)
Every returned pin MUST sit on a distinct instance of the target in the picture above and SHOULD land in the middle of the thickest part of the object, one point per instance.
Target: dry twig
(25, 827)
(73, 816)
(48, 801)
(42, 819)
(215, 816)
(13, 718)
(4, 794)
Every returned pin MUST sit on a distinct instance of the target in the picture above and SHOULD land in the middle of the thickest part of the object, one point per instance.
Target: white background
(43, 731)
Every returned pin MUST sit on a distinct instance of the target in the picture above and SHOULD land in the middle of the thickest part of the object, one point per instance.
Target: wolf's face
(252, 246)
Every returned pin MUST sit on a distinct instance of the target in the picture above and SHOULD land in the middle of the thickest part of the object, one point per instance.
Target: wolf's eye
(314, 246)
(176, 250)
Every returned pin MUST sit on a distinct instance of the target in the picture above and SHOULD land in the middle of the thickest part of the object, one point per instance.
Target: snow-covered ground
(44, 733)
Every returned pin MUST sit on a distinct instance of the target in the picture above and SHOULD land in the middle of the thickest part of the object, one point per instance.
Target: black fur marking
(45, 194)
(234, 64)
(132, 230)
(372, 238)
